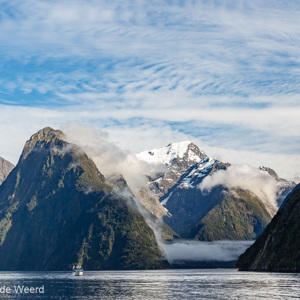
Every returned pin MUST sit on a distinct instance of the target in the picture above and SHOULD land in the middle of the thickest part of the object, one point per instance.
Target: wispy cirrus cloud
(224, 73)
(205, 48)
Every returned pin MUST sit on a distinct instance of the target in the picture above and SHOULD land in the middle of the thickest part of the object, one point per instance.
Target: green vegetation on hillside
(239, 216)
(56, 210)
(277, 248)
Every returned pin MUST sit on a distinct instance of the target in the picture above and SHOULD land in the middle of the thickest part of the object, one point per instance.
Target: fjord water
(161, 284)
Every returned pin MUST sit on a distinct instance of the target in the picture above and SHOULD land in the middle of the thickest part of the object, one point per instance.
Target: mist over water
(205, 251)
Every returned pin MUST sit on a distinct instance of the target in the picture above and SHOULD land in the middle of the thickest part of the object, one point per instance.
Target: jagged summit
(43, 137)
(270, 171)
(46, 134)
(185, 150)
(178, 157)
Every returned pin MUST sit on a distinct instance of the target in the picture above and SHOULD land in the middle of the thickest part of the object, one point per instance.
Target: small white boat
(77, 270)
(78, 273)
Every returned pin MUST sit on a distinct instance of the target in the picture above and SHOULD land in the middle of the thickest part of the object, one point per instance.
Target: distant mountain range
(221, 213)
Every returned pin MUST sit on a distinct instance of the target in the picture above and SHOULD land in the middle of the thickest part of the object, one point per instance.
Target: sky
(223, 74)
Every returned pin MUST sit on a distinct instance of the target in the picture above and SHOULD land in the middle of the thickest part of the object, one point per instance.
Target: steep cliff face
(5, 168)
(277, 248)
(57, 209)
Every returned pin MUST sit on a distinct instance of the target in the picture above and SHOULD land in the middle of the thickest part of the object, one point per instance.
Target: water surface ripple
(162, 284)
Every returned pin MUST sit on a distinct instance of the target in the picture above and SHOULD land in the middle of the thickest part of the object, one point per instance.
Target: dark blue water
(163, 284)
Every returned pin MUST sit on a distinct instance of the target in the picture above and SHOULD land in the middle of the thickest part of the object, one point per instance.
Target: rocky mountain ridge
(190, 209)
(178, 157)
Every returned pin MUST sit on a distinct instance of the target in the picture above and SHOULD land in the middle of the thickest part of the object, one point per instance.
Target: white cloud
(17, 124)
(110, 159)
(284, 164)
(226, 73)
(245, 177)
(204, 48)
(140, 137)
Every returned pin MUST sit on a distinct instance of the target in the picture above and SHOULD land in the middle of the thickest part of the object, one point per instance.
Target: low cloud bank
(205, 251)
(245, 177)
(110, 159)
(113, 162)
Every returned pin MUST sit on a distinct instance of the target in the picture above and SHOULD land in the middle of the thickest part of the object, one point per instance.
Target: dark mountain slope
(240, 215)
(277, 248)
(220, 214)
(56, 209)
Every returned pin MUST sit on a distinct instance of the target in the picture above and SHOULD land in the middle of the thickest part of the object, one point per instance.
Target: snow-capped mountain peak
(165, 155)
(178, 157)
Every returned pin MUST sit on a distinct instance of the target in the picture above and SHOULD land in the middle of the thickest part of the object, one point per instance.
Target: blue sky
(225, 74)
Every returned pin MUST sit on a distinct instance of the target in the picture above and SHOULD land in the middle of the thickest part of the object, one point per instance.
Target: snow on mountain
(166, 155)
(200, 169)
(188, 166)
(178, 157)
